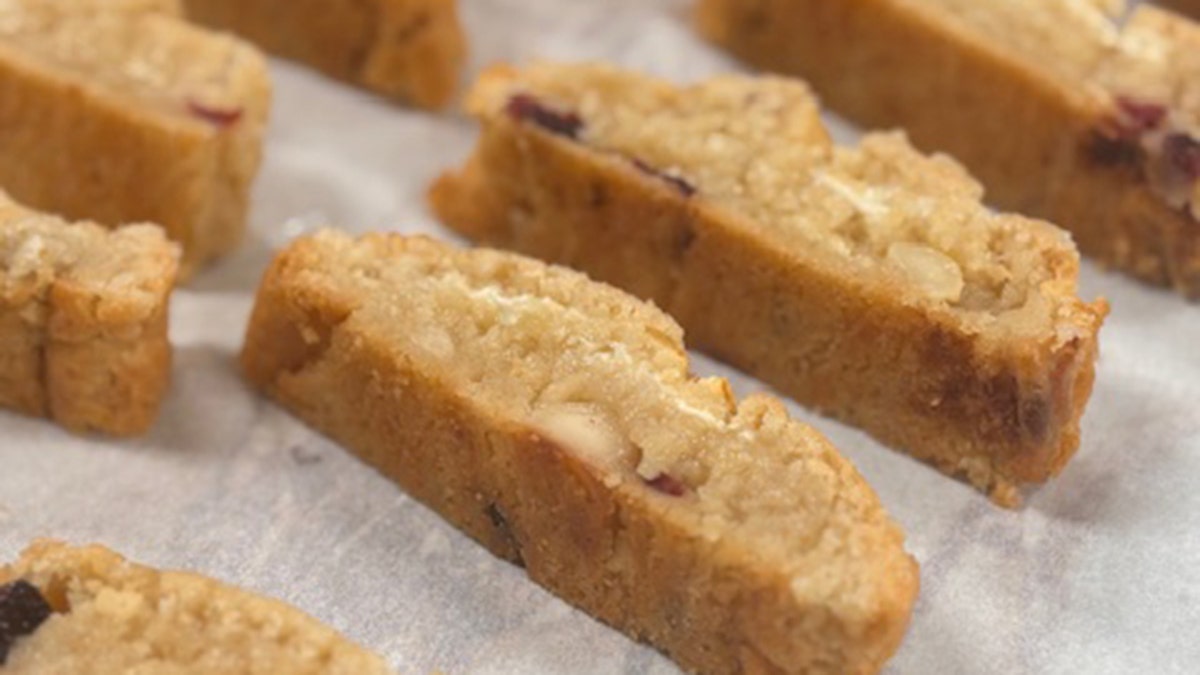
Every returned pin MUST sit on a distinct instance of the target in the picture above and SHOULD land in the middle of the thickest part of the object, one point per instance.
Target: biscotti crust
(412, 50)
(73, 145)
(1188, 7)
(604, 545)
(886, 63)
(109, 616)
(1000, 413)
(84, 343)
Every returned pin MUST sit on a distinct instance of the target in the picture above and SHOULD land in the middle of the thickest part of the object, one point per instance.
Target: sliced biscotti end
(86, 609)
(83, 312)
(554, 420)
(97, 282)
(726, 203)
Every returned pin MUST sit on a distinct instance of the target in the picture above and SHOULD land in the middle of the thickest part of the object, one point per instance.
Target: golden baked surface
(1084, 112)
(123, 112)
(867, 281)
(600, 423)
(111, 616)
(83, 320)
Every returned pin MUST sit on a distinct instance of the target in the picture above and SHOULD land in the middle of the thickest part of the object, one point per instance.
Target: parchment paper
(1099, 573)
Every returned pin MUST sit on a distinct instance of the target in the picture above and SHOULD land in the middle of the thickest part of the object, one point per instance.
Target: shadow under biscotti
(208, 408)
(1132, 430)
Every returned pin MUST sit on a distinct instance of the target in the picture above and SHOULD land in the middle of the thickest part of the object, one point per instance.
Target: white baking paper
(1099, 573)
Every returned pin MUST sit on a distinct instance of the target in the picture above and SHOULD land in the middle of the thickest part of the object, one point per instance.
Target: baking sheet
(1099, 573)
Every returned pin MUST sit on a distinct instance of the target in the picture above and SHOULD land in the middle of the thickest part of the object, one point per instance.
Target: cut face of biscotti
(553, 419)
(407, 49)
(88, 611)
(1080, 111)
(866, 281)
(122, 112)
(83, 320)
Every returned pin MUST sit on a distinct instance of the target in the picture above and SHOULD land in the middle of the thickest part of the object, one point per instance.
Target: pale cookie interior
(127, 270)
(113, 616)
(138, 48)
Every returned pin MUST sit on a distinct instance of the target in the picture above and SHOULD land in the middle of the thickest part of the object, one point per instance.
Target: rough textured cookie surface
(122, 112)
(1103, 95)
(554, 420)
(867, 281)
(87, 610)
(83, 320)
(409, 49)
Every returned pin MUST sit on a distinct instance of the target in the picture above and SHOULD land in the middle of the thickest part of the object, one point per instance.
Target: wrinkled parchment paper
(1099, 573)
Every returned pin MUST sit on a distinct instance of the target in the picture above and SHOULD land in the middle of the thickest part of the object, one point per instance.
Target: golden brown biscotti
(1073, 110)
(83, 320)
(87, 611)
(554, 420)
(412, 50)
(1188, 7)
(868, 282)
(122, 112)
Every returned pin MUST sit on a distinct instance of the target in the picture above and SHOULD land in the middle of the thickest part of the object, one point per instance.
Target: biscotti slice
(553, 419)
(868, 282)
(412, 50)
(122, 112)
(83, 320)
(1073, 110)
(87, 611)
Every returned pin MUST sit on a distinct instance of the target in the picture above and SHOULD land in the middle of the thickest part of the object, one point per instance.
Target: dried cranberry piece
(1141, 116)
(1182, 153)
(667, 484)
(526, 108)
(500, 523)
(22, 610)
(1105, 149)
(685, 188)
(218, 117)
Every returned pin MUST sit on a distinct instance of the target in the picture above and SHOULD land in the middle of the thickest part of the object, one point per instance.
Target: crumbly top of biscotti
(111, 616)
(1136, 68)
(606, 377)
(139, 50)
(880, 213)
(1101, 48)
(126, 272)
